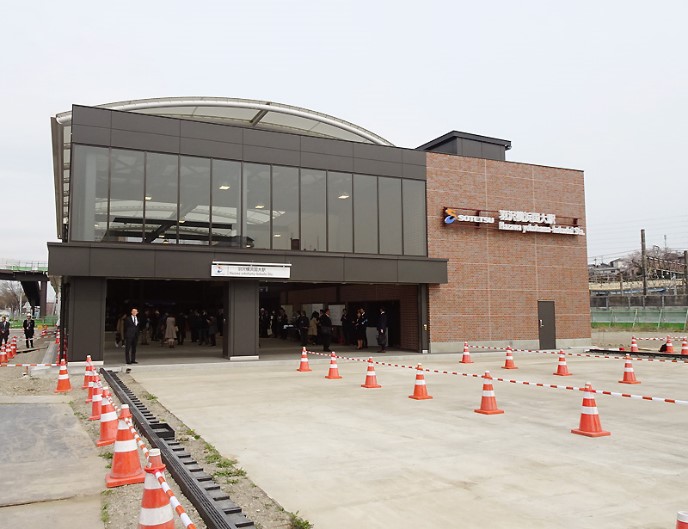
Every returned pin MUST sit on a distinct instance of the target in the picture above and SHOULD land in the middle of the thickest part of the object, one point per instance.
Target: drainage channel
(213, 505)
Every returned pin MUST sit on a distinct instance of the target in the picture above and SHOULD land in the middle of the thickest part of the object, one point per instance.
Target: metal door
(547, 325)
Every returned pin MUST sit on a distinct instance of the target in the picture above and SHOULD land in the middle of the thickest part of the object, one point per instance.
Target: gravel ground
(121, 505)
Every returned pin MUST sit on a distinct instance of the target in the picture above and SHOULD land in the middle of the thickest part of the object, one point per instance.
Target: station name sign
(250, 270)
(517, 221)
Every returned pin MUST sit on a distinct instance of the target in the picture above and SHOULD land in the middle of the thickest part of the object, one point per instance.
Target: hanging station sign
(508, 220)
(250, 270)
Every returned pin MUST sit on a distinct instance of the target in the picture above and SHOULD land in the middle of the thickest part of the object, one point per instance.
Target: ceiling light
(224, 187)
(148, 198)
(343, 196)
(182, 221)
(277, 235)
(260, 206)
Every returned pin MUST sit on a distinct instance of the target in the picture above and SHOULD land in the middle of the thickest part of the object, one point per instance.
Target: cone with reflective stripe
(334, 370)
(466, 359)
(3, 355)
(488, 403)
(63, 383)
(509, 363)
(420, 390)
(13, 347)
(634, 345)
(371, 377)
(682, 520)
(562, 368)
(87, 372)
(96, 403)
(108, 421)
(304, 367)
(589, 420)
(669, 346)
(126, 466)
(684, 347)
(629, 374)
(156, 511)
(8, 350)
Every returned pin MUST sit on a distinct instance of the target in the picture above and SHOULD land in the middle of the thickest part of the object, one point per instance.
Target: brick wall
(496, 277)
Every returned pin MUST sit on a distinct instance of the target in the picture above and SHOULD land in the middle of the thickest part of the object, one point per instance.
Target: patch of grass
(228, 469)
(296, 522)
(149, 396)
(104, 512)
(191, 433)
(107, 455)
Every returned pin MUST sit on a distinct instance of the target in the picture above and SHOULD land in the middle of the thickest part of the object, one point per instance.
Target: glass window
(226, 202)
(365, 214)
(194, 200)
(313, 205)
(390, 215)
(414, 217)
(126, 196)
(258, 207)
(160, 206)
(340, 237)
(285, 208)
(89, 187)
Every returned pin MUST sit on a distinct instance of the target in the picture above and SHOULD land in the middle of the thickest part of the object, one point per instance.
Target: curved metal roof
(246, 112)
(266, 115)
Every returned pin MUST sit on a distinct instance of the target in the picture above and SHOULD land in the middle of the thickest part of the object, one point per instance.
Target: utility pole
(643, 261)
(685, 271)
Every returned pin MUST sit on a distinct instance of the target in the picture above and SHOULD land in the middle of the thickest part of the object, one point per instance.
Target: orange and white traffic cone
(669, 346)
(63, 383)
(509, 363)
(57, 337)
(488, 403)
(334, 370)
(304, 367)
(13, 347)
(3, 355)
(420, 390)
(371, 377)
(684, 347)
(590, 419)
(629, 374)
(108, 421)
(87, 372)
(634, 345)
(8, 350)
(682, 520)
(126, 466)
(96, 403)
(156, 511)
(562, 368)
(466, 358)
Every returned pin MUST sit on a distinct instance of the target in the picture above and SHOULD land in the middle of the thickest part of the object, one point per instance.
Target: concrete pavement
(346, 456)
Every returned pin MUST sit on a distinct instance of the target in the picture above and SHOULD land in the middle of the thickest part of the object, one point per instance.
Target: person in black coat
(382, 331)
(326, 330)
(131, 336)
(302, 323)
(29, 326)
(4, 330)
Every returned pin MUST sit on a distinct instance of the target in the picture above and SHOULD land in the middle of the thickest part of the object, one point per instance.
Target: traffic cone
(629, 374)
(334, 370)
(63, 383)
(488, 404)
(126, 466)
(13, 347)
(108, 421)
(3, 355)
(371, 377)
(669, 346)
(684, 347)
(634, 345)
(509, 364)
(589, 420)
(156, 511)
(303, 366)
(562, 368)
(420, 390)
(96, 403)
(466, 358)
(57, 337)
(682, 520)
(87, 372)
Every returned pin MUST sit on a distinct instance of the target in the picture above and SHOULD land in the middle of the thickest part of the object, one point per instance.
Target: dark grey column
(241, 308)
(43, 297)
(423, 318)
(86, 315)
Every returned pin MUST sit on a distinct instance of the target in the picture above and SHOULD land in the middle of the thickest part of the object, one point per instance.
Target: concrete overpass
(33, 277)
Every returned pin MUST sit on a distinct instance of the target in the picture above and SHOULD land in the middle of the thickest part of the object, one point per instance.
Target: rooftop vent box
(471, 145)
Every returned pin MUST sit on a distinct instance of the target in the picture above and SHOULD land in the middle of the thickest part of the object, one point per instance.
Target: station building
(233, 205)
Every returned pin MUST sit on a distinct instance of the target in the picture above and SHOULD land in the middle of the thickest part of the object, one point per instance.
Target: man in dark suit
(131, 336)
(326, 330)
(4, 330)
(29, 326)
(382, 331)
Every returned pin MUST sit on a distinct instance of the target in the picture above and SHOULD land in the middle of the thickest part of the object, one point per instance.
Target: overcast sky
(600, 86)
